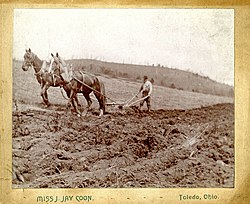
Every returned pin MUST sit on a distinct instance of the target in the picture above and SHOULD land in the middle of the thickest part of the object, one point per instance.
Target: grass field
(27, 89)
(163, 76)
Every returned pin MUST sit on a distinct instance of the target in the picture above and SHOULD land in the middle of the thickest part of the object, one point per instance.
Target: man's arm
(140, 89)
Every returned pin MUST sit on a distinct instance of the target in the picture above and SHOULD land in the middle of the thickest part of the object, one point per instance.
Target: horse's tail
(102, 89)
(103, 94)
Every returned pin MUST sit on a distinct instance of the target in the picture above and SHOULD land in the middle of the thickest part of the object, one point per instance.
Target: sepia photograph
(123, 98)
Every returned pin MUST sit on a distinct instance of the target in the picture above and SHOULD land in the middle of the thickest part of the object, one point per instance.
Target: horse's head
(28, 60)
(58, 60)
(56, 63)
(65, 71)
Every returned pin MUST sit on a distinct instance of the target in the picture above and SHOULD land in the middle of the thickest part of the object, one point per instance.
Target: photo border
(241, 191)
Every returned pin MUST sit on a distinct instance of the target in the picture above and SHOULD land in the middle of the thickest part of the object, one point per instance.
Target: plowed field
(187, 140)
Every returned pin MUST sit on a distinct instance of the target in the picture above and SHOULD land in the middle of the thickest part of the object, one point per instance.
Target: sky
(197, 40)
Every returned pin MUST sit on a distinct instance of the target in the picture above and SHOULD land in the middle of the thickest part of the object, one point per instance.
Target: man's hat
(145, 77)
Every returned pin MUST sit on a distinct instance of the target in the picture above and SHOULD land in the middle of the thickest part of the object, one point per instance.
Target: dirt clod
(136, 149)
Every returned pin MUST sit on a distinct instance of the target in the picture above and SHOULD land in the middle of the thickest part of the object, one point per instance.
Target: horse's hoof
(84, 113)
(101, 113)
(89, 109)
(46, 105)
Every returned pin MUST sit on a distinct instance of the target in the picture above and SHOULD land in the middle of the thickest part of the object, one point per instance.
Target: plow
(125, 104)
(128, 103)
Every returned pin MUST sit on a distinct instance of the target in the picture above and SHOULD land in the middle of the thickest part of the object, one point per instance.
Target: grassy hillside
(26, 90)
(172, 78)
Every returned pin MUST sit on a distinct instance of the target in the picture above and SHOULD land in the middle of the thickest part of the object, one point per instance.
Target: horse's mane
(62, 61)
(38, 62)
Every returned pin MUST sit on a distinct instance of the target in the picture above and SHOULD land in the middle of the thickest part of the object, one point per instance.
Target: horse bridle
(59, 65)
(30, 62)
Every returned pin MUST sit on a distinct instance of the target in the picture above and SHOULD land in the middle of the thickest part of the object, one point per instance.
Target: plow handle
(127, 102)
(141, 99)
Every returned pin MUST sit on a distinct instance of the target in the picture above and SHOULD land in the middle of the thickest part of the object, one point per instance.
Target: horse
(80, 82)
(45, 77)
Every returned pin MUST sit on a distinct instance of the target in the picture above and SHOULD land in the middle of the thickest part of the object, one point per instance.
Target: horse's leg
(100, 95)
(44, 93)
(88, 99)
(74, 102)
(76, 106)
(100, 101)
(71, 93)
(75, 98)
(77, 101)
(67, 89)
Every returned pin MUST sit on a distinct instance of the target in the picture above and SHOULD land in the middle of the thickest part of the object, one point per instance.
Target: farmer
(146, 90)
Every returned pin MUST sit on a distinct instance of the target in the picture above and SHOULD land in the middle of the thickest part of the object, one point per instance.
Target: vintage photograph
(123, 98)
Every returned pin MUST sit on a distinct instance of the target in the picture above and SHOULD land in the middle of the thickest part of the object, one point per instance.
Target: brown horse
(44, 76)
(80, 82)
